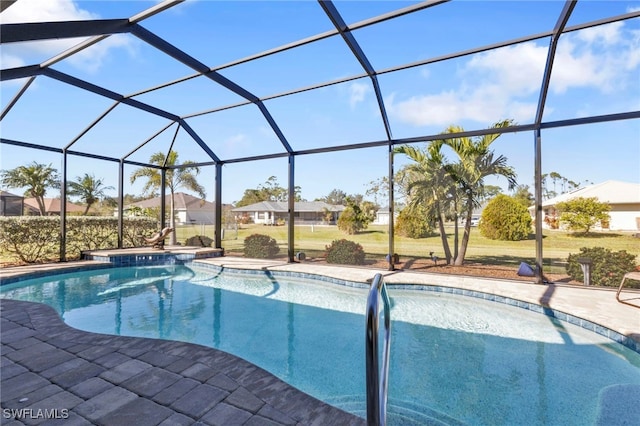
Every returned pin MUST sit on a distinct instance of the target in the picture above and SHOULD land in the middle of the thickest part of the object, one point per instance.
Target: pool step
(399, 412)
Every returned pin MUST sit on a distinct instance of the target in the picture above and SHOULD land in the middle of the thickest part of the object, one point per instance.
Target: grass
(312, 240)
(557, 245)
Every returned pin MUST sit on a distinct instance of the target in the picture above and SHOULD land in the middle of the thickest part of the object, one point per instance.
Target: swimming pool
(455, 359)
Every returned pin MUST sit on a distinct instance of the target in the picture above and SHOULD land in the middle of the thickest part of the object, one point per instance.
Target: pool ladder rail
(377, 376)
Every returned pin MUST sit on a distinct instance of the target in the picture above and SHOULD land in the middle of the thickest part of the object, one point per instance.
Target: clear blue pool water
(454, 359)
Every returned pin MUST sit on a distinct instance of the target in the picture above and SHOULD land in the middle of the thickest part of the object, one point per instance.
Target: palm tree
(89, 189)
(184, 177)
(428, 184)
(448, 189)
(37, 178)
(476, 162)
(555, 177)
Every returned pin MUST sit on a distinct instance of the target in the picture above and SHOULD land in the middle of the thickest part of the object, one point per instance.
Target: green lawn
(557, 245)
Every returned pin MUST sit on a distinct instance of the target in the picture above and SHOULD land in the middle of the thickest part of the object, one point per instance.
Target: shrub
(37, 238)
(95, 233)
(244, 220)
(505, 219)
(356, 216)
(199, 241)
(582, 214)
(607, 267)
(134, 227)
(553, 222)
(30, 238)
(348, 221)
(345, 252)
(91, 233)
(260, 246)
(413, 223)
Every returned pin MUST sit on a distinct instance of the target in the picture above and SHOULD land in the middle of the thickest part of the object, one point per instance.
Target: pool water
(454, 359)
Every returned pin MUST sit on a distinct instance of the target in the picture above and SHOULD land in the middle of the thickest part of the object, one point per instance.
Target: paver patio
(89, 378)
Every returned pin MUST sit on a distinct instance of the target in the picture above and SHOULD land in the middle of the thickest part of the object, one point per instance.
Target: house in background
(382, 216)
(11, 204)
(272, 212)
(51, 207)
(189, 210)
(623, 197)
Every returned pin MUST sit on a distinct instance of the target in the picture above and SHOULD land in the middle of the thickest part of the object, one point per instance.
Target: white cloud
(633, 58)
(505, 82)
(572, 69)
(606, 34)
(517, 69)
(603, 58)
(489, 90)
(44, 11)
(28, 53)
(357, 93)
(452, 107)
(92, 58)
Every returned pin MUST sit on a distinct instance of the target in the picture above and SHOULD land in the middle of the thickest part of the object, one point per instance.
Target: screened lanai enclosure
(315, 97)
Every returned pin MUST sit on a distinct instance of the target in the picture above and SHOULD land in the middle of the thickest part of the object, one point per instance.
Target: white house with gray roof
(622, 197)
(273, 212)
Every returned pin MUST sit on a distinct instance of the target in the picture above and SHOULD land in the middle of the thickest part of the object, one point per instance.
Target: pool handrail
(377, 378)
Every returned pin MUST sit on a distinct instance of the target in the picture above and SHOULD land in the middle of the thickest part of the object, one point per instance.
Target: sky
(596, 72)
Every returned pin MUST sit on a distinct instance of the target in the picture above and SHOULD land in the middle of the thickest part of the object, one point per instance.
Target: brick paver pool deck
(114, 380)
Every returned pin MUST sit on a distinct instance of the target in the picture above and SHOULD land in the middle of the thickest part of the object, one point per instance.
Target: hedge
(37, 238)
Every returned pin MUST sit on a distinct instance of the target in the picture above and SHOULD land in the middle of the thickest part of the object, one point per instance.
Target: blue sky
(597, 71)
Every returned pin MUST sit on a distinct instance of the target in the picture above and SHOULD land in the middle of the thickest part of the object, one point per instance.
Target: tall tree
(336, 197)
(272, 191)
(183, 177)
(356, 216)
(449, 188)
(379, 188)
(268, 191)
(429, 188)
(543, 181)
(566, 185)
(476, 162)
(555, 177)
(250, 196)
(523, 196)
(89, 189)
(35, 177)
(572, 185)
(490, 191)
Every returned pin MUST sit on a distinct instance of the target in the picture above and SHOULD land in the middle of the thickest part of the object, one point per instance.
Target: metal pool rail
(377, 376)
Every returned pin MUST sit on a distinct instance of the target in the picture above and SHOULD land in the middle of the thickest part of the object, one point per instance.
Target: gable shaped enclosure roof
(112, 81)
